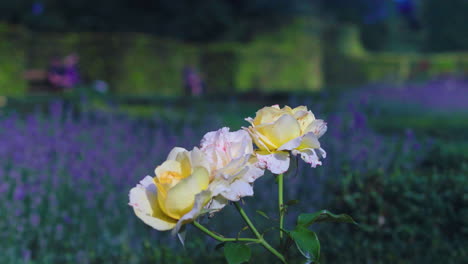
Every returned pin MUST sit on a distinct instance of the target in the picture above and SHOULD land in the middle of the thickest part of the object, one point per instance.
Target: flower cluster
(225, 166)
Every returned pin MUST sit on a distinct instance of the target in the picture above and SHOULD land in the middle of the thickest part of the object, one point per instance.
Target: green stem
(258, 235)
(280, 205)
(221, 238)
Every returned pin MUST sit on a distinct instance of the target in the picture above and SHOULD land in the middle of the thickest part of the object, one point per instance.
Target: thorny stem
(280, 205)
(258, 235)
(221, 238)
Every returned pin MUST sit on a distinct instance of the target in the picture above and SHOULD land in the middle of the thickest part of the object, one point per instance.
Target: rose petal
(292, 144)
(318, 127)
(309, 141)
(175, 152)
(283, 130)
(200, 201)
(260, 140)
(181, 197)
(238, 189)
(310, 156)
(143, 199)
(277, 162)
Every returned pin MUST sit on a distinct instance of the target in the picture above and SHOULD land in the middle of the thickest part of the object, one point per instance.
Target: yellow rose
(176, 194)
(279, 131)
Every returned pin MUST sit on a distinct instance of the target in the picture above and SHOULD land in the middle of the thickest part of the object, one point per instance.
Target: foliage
(13, 59)
(426, 210)
(445, 24)
(141, 64)
(185, 20)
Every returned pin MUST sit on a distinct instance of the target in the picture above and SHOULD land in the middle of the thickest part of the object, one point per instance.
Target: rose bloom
(279, 131)
(178, 192)
(233, 165)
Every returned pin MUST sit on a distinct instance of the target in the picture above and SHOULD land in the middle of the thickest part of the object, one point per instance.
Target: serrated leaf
(262, 214)
(306, 242)
(236, 253)
(323, 216)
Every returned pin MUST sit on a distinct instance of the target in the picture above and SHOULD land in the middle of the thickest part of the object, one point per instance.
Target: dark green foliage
(323, 216)
(403, 218)
(307, 243)
(446, 25)
(236, 253)
(182, 19)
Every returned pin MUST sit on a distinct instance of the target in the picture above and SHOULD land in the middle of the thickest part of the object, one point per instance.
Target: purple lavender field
(65, 176)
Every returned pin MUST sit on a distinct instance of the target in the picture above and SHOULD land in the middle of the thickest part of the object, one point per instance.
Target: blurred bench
(38, 81)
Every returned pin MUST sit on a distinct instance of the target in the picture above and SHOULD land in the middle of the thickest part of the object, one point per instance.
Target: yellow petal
(180, 198)
(267, 115)
(185, 164)
(168, 166)
(260, 140)
(159, 221)
(283, 130)
(299, 108)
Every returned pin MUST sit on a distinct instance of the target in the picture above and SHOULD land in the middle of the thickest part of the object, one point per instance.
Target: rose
(176, 194)
(232, 163)
(279, 131)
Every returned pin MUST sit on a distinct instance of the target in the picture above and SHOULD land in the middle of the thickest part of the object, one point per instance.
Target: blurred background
(94, 94)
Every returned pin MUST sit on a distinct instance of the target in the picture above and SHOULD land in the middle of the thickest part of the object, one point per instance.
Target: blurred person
(193, 83)
(71, 72)
(56, 74)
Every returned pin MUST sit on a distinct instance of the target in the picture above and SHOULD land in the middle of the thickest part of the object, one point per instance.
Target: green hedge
(346, 63)
(142, 64)
(303, 56)
(12, 61)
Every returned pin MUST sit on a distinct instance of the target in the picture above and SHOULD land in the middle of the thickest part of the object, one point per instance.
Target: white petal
(253, 173)
(277, 162)
(143, 195)
(232, 169)
(216, 204)
(174, 152)
(238, 189)
(309, 141)
(318, 127)
(199, 159)
(143, 199)
(310, 156)
(240, 143)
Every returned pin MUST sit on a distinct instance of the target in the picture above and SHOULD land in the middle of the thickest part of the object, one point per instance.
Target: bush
(403, 218)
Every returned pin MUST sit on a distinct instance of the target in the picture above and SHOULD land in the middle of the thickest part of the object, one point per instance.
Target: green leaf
(236, 253)
(323, 216)
(262, 214)
(306, 242)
